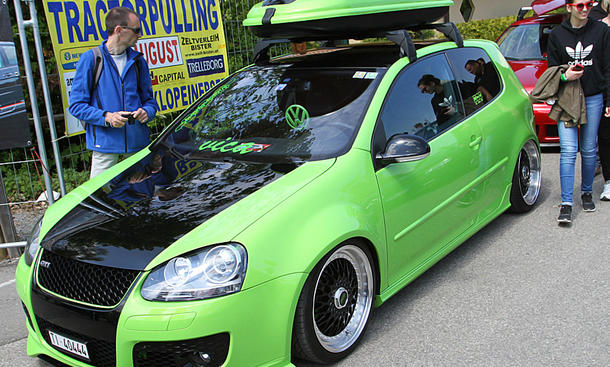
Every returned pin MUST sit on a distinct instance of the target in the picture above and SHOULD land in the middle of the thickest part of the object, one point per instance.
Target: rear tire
(526, 179)
(335, 304)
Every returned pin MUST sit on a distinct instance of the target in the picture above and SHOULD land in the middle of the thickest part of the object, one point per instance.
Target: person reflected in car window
(486, 78)
(442, 100)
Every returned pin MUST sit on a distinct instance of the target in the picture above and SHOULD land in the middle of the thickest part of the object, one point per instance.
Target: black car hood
(144, 209)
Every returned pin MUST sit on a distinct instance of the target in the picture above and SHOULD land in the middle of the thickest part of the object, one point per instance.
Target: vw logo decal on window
(297, 116)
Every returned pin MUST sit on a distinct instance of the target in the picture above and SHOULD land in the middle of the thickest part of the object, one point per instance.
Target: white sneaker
(605, 196)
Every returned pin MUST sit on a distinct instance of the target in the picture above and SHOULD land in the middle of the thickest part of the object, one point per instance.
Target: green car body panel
(408, 220)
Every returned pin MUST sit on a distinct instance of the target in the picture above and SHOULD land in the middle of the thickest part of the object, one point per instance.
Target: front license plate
(69, 345)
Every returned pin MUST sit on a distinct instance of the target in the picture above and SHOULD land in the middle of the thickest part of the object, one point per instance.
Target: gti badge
(45, 264)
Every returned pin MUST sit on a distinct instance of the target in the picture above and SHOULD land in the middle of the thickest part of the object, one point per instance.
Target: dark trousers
(604, 146)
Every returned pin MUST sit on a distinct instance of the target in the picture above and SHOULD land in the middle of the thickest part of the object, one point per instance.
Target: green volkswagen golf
(270, 219)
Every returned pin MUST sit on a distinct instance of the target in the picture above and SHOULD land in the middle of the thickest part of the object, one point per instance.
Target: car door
(496, 121)
(427, 203)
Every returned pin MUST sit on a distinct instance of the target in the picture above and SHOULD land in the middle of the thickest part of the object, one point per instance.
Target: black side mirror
(404, 148)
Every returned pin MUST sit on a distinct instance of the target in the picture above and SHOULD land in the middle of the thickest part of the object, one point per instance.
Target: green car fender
(342, 204)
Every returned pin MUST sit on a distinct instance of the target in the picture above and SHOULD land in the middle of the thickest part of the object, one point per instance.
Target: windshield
(526, 42)
(276, 114)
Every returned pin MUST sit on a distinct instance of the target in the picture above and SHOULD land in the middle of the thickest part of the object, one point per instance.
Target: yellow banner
(182, 40)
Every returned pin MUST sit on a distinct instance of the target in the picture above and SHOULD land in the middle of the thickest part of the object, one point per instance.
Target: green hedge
(488, 29)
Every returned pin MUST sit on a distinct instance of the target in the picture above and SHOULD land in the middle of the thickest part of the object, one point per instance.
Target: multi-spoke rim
(529, 172)
(342, 298)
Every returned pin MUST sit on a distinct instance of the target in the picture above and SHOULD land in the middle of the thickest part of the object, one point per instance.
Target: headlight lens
(32, 244)
(212, 272)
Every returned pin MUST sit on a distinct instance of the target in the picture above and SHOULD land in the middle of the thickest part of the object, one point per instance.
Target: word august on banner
(84, 19)
(183, 42)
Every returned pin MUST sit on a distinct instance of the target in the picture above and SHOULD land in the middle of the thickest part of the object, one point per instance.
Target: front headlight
(33, 244)
(212, 272)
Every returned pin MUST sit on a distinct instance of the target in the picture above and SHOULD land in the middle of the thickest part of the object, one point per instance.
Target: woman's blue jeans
(568, 140)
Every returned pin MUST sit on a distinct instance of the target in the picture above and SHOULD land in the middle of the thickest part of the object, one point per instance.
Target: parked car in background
(11, 94)
(524, 45)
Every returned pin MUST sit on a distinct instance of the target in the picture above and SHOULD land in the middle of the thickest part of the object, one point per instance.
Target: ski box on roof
(337, 19)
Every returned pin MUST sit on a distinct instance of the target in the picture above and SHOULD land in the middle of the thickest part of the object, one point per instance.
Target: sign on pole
(182, 40)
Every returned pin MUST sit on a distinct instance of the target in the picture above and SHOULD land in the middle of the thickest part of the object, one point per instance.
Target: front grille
(182, 353)
(102, 353)
(88, 283)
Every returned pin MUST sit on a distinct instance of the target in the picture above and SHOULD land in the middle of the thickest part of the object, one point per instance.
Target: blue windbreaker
(114, 93)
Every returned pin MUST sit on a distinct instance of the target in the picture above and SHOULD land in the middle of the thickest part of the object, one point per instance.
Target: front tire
(527, 179)
(335, 304)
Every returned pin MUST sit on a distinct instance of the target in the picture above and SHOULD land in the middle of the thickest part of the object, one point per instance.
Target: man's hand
(141, 115)
(572, 74)
(115, 119)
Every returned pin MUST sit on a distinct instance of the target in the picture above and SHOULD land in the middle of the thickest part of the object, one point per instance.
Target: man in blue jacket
(117, 107)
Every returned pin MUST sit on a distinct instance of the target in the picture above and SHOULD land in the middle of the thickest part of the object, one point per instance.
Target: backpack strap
(97, 72)
(137, 61)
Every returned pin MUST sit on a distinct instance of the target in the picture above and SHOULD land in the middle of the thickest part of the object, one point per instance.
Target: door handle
(475, 142)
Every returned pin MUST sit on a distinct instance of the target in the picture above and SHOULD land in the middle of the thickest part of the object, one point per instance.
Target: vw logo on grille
(297, 116)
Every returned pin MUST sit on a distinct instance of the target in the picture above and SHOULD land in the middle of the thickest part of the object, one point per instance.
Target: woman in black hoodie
(584, 45)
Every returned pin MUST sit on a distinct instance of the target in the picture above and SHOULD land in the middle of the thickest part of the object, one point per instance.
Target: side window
(423, 100)
(476, 77)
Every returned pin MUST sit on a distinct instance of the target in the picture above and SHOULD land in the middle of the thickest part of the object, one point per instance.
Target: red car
(524, 45)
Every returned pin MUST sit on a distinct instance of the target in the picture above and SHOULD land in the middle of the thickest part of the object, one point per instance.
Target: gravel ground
(25, 216)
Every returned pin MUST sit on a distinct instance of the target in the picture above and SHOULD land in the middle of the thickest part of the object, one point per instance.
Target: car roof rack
(400, 37)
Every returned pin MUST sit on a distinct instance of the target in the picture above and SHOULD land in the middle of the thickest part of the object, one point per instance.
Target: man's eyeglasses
(134, 30)
(580, 7)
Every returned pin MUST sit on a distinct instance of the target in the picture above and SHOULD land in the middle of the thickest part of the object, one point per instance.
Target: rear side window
(525, 42)
(476, 76)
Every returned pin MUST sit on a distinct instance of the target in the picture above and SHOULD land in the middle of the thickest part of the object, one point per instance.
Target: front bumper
(258, 322)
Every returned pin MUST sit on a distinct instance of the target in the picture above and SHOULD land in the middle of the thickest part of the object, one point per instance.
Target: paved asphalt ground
(521, 292)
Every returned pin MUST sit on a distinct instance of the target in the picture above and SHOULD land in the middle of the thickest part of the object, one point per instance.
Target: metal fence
(21, 169)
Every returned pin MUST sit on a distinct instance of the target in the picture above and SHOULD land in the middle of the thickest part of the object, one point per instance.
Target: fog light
(201, 359)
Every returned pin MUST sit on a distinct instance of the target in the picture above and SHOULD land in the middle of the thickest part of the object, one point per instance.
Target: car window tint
(476, 76)
(423, 100)
(278, 114)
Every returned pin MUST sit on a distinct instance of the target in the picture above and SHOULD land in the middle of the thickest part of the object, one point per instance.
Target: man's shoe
(565, 214)
(605, 196)
(587, 202)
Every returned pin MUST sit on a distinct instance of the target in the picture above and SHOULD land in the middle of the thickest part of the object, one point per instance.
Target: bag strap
(97, 72)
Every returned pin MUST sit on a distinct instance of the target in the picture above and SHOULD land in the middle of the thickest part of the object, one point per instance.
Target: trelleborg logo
(580, 53)
(297, 116)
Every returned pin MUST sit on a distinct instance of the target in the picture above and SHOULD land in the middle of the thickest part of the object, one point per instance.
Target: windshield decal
(297, 116)
(370, 76)
(478, 98)
(190, 118)
(232, 146)
(359, 75)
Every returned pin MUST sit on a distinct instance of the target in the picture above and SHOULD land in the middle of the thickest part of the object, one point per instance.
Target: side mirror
(404, 148)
